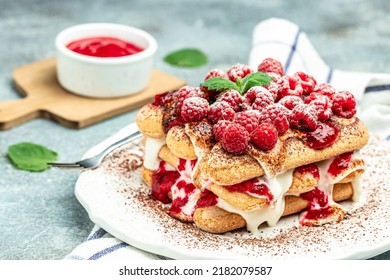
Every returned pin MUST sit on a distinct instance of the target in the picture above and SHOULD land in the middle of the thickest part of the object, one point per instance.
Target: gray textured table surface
(40, 217)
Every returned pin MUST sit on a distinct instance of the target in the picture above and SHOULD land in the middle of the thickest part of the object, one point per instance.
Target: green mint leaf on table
(217, 83)
(254, 79)
(189, 57)
(30, 156)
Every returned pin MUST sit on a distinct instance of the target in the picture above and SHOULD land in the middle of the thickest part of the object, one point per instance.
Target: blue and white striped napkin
(286, 42)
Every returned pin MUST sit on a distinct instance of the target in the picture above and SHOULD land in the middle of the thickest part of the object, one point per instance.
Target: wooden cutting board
(45, 98)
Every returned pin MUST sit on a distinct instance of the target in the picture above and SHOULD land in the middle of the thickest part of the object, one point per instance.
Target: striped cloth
(287, 43)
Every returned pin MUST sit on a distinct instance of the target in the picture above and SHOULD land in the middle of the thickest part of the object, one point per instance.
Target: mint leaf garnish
(188, 57)
(254, 79)
(241, 85)
(30, 156)
(217, 83)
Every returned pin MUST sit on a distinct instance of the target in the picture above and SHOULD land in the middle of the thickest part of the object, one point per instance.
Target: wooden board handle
(15, 112)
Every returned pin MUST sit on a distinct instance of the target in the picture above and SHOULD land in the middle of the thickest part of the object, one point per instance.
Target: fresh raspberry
(264, 137)
(232, 97)
(289, 86)
(344, 104)
(253, 92)
(323, 107)
(238, 71)
(246, 120)
(235, 139)
(277, 115)
(219, 129)
(186, 92)
(216, 73)
(290, 101)
(308, 82)
(261, 102)
(194, 109)
(254, 114)
(270, 65)
(273, 88)
(313, 96)
(304, 117)
(221, 110)
(325, 89)
(258, 92)
(165, 99)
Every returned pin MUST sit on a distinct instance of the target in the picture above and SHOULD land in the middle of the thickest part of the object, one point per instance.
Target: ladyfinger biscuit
(150, 121)
(166, 155)
(180, 144)
(239, 200)
(216, 220)
(147, 176)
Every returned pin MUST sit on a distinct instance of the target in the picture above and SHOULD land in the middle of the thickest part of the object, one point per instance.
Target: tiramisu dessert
(247, 147)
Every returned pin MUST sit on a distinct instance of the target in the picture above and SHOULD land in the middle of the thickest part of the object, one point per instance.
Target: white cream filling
(356, 184)
(189, 207)
(152, 148)
(186, 176)
(327, 181)
(278, 185)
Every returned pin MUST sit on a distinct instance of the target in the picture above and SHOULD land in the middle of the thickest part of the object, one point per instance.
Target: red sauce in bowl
(103, 47)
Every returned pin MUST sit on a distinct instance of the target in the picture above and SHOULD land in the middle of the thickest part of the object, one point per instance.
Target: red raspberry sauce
(339, 164)
(310, 168)
(253, 186)
(103, 47)
(182, 164)
(324, 136)
(163, 180)
(179, 202)
(206, 198)
(319, 206)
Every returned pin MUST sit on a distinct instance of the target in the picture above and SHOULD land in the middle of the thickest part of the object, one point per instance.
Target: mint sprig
(30, 156)
(241, 85)
(217, 83)
(254, 79)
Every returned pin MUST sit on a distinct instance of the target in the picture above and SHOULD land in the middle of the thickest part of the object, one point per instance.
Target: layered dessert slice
(248, 147)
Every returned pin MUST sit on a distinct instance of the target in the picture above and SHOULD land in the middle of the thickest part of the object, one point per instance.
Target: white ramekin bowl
(103, 77)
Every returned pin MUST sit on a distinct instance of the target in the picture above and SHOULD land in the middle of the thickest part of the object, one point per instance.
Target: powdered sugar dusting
(119, 202)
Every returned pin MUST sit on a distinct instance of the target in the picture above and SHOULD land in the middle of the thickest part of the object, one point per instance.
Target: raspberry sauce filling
(182, 199)
(206, 199)
(324, 136)
(178, 183)
(319, 207)
(162, 182)
(186, 165)
(309, 168)
(253, 186)
(340, 163)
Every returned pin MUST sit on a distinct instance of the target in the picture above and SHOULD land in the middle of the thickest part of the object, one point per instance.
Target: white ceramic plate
(118, 201)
